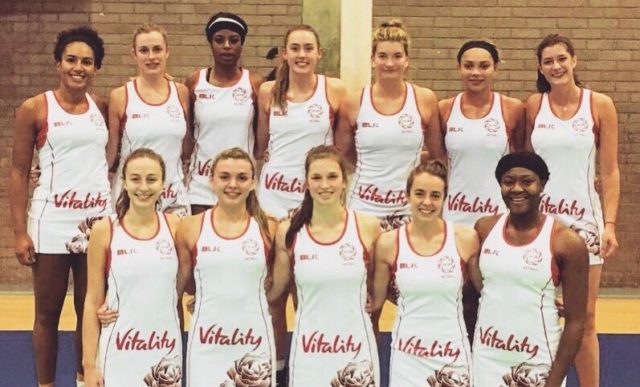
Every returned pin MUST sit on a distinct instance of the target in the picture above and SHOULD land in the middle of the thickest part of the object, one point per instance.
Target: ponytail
(122, 205)
(253, 208)
(280, 87)
(301, 217)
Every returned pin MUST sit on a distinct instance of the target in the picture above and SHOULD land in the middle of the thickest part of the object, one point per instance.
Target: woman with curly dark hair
(67, 130)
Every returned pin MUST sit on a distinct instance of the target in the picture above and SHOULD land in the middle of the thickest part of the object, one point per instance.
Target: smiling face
(426, 196)
(477, 69)
(302, 51)
(143, 181)
(232, 180)
(77, 66)
(226, 47)
(325, 181)
(389, 60)
(521, 189)
(557, 65)
(151, 53)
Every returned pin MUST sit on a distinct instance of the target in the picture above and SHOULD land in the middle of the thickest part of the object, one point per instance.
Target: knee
(48, 317)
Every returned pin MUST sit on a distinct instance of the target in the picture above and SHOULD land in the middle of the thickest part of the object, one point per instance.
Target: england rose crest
(491, 125)
(406, 122)
(532, 257)
(250, 247)
(347, 251)
(315, 111)
(446, 264)
(240, 95)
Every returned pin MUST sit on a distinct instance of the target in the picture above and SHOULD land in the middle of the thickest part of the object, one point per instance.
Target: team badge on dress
(173, 111)
(532, 257)
(406, 122)
(446, 264)
(165, 248)
(251, 370)
(240, 95)
(98, 121)
(250, 247)
(527, 375)
(347, 251)
(168, 372)
(580, 126)
(314, 111)
(492, 126)
(355, 374)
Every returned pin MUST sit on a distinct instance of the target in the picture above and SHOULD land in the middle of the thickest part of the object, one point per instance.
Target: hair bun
(392, 23)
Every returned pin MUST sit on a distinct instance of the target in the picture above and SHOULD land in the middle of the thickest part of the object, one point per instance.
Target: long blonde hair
(253, 207)
(281, 85)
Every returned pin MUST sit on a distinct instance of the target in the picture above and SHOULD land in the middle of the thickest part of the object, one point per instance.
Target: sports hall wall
(605, 33)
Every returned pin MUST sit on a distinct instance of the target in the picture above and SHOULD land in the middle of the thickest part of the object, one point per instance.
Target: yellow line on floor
(613, 315)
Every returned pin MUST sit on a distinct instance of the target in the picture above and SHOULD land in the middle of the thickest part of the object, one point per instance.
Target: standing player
(568, 125)
(296, 113)
(479, 126)
(428, 258)
(525, 256)
(133, 255)
(223, 105)
(67, 129)
(231, 335)
(386, 127)
(150, 112)
(324, 249)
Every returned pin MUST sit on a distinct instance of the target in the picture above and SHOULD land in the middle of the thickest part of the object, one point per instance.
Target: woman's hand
(105, 315)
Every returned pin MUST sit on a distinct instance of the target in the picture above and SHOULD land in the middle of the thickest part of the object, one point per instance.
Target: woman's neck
(426, 228)
(140, 216)
(301, 83)
(479, 98)
(70, 97)
(225, 74)
(390, 88)
(155, 81)
(565, 94)
(328, 215)
(231, 214)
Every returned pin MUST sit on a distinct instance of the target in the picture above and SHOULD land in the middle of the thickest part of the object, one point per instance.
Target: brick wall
(605, 33)
(28, 30)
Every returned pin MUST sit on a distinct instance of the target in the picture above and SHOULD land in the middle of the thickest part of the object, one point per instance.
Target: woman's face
(521, 189)
(143, 181)
(477, 70)
(426, 197)
(325, 181)
(302, 52)
(77, 66)
(232, 180)
(390, 60)
(151, 53)
(557, 64)
(226, 47)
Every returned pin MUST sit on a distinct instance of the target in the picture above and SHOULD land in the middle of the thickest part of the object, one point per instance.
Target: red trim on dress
(41, 136)
(194, 249)
(556, 274)
(142, 239)
(213, 226)
(364, 248)
(394, 265)
(135, 87)
(596, 124)
(107, 265)
(478, 118)
(574, 113)
(344, 230)
(404, 102)
(413, 249)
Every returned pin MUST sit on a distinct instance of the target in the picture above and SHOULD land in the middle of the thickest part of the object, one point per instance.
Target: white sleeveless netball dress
(333, 342)
(231, 335)
(291, 135)
(474, 147)
(161, 128)
(388, 146)
(223, 118)
(569, 149)
(518, 329)
(143, 347)
(429, 339)
(73, 188)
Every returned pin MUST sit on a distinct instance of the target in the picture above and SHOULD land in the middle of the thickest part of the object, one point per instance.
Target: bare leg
(50, 280)
(588, 357)
(79, 269)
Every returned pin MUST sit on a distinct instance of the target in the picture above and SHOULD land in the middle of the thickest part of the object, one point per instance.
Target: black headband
(226, 23)
(528, 160)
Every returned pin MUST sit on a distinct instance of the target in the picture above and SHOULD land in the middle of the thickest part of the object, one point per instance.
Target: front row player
(525, 256)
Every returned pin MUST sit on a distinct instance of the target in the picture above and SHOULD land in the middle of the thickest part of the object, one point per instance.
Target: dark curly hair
(80, 34)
